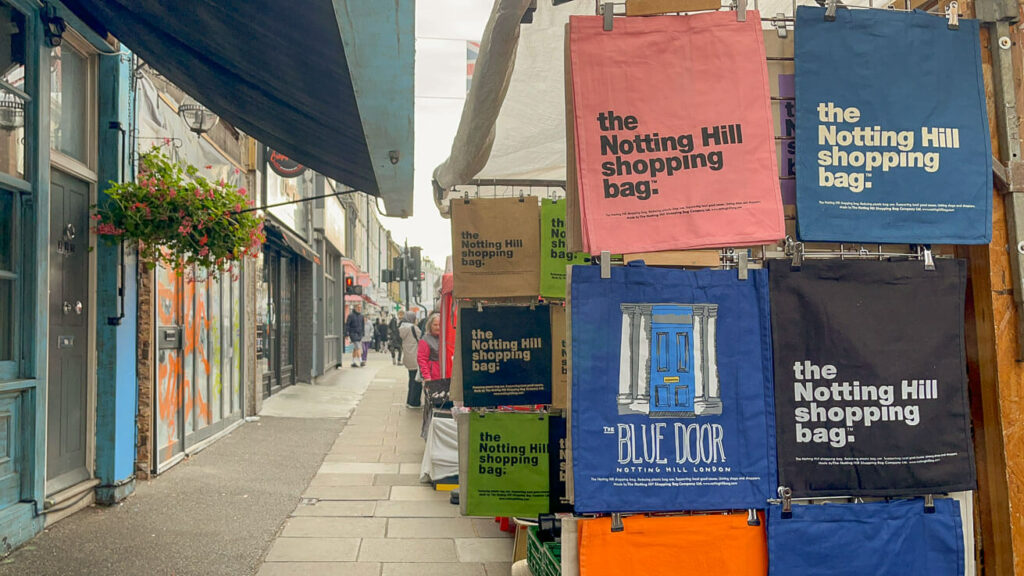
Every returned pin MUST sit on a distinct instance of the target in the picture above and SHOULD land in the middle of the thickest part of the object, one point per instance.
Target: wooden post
(996, 376)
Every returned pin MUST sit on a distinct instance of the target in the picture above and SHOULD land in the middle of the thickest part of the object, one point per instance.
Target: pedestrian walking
(380, 335)
(354, 329)
(367, 338)
(410, 335)
(394, 341)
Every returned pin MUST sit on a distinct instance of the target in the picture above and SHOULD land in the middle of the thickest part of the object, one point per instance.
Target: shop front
(61, 401)
(284, 309)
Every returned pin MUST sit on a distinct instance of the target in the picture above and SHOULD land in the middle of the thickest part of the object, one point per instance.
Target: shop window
(8, 279)
(69, 102)
(13, 97)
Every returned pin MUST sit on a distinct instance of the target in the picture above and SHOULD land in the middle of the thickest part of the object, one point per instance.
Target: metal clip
(780, 24)
(929, 261)
(752, 519)
(521, 199)
(606, 264)
(929, 504)
(479, 307)
(742, 260)
(741, 10)
(798, 256)
(608, 10)
(617, 522)
(830, 10)
(465, 198)
(953, 14)
(786, 493)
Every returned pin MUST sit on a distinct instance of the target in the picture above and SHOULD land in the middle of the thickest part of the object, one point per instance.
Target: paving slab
(488, 528)
(347, 492)
(398, 480)
(360, 468)
(321, 569)
(484, 549)
(408, 550)
(318, 527)
(429, 527)
(421, 493)
(412, 509)
(336, 508)
(446, 569)
(342, 480)
(314, 550)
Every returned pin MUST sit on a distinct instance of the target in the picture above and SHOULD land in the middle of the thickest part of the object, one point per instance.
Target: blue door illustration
(672, 382)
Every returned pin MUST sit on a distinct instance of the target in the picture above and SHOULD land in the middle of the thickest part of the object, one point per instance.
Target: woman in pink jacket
(428, 353)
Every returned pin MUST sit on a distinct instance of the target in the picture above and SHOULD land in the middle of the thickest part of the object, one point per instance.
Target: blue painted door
(672, 359)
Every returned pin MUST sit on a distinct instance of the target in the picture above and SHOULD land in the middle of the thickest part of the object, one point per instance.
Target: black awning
(275, 69)
(279, 233)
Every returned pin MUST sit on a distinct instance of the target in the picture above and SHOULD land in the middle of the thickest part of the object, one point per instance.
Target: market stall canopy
(328, 83)
(512, 130)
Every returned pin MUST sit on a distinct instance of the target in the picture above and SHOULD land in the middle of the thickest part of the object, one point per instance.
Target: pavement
(366, 513)
(325, 482)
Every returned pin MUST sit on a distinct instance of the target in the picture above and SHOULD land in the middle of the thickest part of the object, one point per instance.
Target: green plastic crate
(544, 558)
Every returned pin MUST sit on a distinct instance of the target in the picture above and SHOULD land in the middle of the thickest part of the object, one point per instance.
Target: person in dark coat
(380, 335)
(354, 331)
(394, 341)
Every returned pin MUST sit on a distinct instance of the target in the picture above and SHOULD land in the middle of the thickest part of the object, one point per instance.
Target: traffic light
(414, 262)
(423, 276)
(398, 265)
(351, 287)
(386, 276)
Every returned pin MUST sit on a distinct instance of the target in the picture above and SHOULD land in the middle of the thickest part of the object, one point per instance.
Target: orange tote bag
(720, 544)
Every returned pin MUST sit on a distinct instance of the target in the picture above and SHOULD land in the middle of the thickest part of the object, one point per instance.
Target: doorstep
(70, 500)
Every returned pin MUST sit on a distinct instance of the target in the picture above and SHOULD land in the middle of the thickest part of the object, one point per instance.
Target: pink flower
(242, 191)
(204, 251)
(204, 240)
(199, 192)
(172, 193)
(238, 207)
(108, 229)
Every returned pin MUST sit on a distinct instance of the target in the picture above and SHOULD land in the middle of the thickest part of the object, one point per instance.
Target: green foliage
(179, 217)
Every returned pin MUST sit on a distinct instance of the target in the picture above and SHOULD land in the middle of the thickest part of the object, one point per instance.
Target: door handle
(78, 307)
(67, 307)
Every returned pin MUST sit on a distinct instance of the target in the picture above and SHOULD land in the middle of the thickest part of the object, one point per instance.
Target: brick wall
(144, 376)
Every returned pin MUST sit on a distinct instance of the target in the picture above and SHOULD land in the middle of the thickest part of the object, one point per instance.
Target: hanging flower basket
(180, 218)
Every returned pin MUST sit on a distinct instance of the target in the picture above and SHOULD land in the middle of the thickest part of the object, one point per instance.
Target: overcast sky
(442, 29)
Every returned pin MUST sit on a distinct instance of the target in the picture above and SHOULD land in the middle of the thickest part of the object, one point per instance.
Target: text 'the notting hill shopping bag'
(719, 544)
(878, 538)
(671, 390)
(505, 354)
(508, 464)
(673, 133)
(496, 247)
(870, 378)
(554, 252)
(892, 140)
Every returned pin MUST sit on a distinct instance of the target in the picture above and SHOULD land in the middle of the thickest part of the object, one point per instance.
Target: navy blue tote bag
(874, 539)
(892, 135)
(671, 390)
